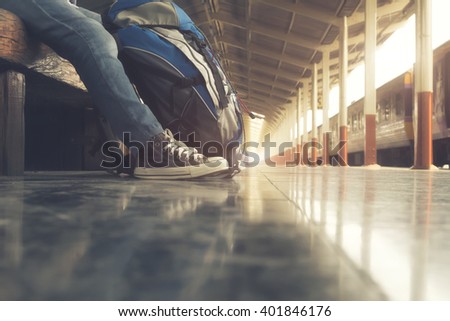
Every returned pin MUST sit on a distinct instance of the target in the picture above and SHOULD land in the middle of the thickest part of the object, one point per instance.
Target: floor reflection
(391, 224)
(268, 234)
(89, 236)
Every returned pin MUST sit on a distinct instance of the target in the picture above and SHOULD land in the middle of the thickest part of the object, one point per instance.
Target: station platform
(267, 234)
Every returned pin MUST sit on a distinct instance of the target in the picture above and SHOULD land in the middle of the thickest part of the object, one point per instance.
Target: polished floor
(267, 234)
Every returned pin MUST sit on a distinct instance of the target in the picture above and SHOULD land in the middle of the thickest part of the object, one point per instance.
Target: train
(395, 102)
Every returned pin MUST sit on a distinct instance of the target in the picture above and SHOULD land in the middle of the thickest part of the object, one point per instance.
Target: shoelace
(180, 149)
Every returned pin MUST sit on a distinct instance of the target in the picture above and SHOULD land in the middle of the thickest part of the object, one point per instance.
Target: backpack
(178, 75)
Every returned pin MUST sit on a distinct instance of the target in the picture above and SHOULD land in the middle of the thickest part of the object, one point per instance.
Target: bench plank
(17, 50)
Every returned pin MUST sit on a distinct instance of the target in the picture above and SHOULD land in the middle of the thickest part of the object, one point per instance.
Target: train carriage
(395, 119)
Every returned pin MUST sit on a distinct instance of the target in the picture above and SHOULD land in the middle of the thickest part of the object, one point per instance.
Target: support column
(292, 115)
(423, 154)
(314, 140)
(326, 107)
(343, 71)
(305, 124)
(299, 117)
(12, 127)
(370, 108)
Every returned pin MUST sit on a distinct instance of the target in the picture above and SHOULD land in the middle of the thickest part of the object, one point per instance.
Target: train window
(399, 105)
(378, 113)
(335, 136)
(385, 107)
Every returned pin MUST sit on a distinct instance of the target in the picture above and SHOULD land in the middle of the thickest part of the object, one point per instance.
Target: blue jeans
(78, 35)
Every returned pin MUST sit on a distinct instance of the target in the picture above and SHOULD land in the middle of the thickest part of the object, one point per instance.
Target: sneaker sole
(188, 172)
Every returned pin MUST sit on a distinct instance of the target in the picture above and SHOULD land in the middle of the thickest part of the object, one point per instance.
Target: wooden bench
(27, 66)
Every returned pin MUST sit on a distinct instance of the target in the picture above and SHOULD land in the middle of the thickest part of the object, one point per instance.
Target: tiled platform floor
(268, 234)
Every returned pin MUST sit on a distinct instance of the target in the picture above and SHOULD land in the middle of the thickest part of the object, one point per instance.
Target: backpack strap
(187, 82)
(203, 47)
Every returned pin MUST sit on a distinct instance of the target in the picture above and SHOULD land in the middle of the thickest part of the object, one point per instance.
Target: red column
(343, 71)
(326, 149)
(423, 158)
(370, 146)
(326, 103)
(343, 152)
(424, 140)
(305, 123)
(299, 134)
(314, 96)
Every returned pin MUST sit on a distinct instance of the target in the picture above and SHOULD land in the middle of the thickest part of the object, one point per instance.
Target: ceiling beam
(258, 79)
(300, 41)
(303, 10)
(269, 108)
(330, 18)
(387, 9)
(260, 28)
(269, 98)
(270, 71)
(302, 63)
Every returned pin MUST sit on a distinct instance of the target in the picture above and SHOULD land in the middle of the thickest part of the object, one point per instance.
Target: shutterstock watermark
(127, 153)
(304, 157)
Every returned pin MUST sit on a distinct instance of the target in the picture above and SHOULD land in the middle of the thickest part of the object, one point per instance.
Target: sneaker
(172, 159)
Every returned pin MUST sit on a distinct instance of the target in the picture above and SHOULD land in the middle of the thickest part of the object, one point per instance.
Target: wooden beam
(17, 48)
(12, 127)
(302, 63)
(257, 79)
(256, 27)
(303, 10)
(357, 18)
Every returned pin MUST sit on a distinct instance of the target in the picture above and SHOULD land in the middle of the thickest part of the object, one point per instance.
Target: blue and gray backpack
(178, 75)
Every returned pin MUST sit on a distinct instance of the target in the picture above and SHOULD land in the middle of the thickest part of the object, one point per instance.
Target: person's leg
(90, 14)
(91, 49)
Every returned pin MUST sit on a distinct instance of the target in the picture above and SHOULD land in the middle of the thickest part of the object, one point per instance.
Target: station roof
(268, 47)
